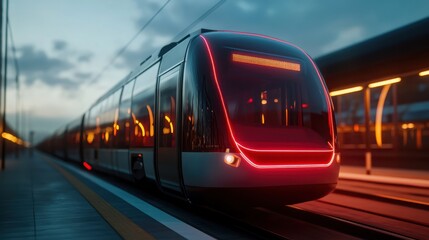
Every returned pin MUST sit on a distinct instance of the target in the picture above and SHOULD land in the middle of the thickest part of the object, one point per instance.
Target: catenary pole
(3, 153)
(1, 79)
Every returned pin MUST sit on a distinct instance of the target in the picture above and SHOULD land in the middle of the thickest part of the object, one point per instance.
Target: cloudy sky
(62, 46)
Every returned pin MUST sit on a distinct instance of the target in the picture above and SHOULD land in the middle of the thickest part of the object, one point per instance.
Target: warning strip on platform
(185, 230)
(125, 227)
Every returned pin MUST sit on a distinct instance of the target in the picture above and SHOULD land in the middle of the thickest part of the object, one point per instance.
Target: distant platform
(404, 177)
(389, 159)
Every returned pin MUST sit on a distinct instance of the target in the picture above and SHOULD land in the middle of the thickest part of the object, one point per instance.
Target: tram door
(167, 163)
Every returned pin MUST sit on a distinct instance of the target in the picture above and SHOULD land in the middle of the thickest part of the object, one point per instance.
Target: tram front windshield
(275, 101)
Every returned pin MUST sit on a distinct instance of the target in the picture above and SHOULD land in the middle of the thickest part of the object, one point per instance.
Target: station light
(9, 137)
(424, 73)
(384, 82)
(408, 126)
(106, 136)
(379, 115)
(345, 91)
(90, 137)
(13, 138)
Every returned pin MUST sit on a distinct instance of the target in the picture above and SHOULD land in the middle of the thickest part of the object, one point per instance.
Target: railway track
(292, 222)
(340, 220)
(404, 213)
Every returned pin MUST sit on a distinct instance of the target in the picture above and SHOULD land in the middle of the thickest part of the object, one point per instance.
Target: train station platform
(405, 177)
(44, 198)
(38, 203)
(390, 167)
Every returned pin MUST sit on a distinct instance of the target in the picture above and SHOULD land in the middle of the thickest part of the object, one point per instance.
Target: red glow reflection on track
(87, 166)
(241, 147)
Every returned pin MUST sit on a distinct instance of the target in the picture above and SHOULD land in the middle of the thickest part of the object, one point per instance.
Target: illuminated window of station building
(399, 115)
(413, 112)
(350, 118)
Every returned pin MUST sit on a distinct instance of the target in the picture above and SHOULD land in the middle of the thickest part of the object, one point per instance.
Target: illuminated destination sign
(266, 62)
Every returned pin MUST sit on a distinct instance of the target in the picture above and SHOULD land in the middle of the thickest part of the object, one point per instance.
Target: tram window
(273, 98)
(203, 126)
(109, 119)
(167, 108)
(92, 130)
(123, 122)
(142, 127)
(261, 98)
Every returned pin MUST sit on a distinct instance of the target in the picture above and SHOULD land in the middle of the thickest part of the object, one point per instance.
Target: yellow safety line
(125, 227)
(393, 198)
(403, 199)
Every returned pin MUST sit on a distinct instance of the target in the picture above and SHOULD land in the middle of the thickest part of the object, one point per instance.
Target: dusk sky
(63, 45)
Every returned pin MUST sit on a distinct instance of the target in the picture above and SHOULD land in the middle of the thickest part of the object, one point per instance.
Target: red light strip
(87, 166)
(286, 150)
(288, 166)
(217, 85)
(266, 62)
(273, 150)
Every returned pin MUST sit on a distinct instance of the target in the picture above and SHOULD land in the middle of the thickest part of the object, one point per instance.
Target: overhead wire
(122, 50)
(199, 19)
